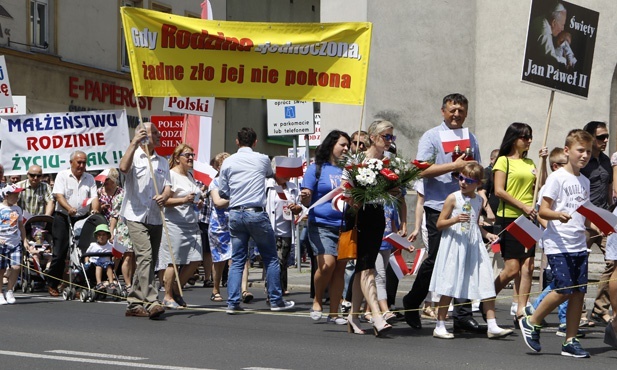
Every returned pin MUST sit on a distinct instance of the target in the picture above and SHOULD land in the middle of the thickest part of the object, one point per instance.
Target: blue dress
(463, 267)
(218, 230)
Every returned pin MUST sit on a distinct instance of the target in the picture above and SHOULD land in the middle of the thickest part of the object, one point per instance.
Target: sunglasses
(188, 155)
(467, 180)
(602, 137)
(526, 137)
(389, 137)
(35, 175)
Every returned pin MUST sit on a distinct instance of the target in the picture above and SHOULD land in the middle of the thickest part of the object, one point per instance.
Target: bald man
(36, 199)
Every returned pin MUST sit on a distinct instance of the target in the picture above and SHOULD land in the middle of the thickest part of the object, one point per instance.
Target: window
(124, 57)
(39, 22)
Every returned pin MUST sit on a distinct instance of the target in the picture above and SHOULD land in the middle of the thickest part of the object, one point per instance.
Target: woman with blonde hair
(181, 219)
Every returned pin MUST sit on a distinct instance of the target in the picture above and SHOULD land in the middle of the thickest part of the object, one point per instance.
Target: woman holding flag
(514, 179)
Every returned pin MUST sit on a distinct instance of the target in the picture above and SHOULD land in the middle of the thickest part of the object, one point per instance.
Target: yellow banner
(172, 55)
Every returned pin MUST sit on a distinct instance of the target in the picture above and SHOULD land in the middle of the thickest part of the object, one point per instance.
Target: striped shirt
(34, 200)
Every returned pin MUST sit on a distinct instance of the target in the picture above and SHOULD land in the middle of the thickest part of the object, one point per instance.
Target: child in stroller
(38, 252)
(101, 262)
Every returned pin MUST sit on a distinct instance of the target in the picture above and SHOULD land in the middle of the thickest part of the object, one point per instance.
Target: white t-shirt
(9, 224)
(568, 192)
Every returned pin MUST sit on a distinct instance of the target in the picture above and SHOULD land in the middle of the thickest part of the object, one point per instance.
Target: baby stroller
(80, 275)
(38, 231)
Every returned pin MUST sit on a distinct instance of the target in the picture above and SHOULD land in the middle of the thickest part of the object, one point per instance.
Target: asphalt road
(41, 332)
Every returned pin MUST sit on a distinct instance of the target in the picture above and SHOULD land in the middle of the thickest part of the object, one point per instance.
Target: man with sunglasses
(36, 199)
(438, 184)
(600, 174)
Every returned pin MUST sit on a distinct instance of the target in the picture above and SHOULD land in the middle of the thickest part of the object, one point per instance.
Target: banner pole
(543, 163)
(296, 230)
(156, 190)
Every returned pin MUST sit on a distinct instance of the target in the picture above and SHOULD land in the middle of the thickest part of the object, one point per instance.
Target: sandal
(389, 317)
(367, 317)
(216, 297)
(247, 296)
(428, 313)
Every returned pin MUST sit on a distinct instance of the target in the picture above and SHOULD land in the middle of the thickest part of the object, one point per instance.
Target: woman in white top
(184, 233)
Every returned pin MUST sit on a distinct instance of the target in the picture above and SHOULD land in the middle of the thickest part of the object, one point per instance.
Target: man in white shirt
(142, 210)
(71, 189)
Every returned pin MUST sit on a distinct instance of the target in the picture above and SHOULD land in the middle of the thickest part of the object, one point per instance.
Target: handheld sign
(561, 38)
(6, 97)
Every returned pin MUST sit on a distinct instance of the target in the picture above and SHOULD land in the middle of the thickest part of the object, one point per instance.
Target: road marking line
(263, 368)
(95, 361)
(101, 355)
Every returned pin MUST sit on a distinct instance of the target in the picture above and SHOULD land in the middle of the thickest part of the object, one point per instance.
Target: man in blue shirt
(242, 181)
(438, 184)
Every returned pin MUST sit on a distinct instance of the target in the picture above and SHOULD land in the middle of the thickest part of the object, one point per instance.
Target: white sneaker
(10, 298)
(513, 308)
(2, 300)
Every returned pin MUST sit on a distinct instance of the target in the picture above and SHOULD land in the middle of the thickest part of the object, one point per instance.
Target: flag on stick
(288, 166)
(603, 219)
(524, 231)
(452, 138)
(399, 266)
(118, 249)
(397, 241)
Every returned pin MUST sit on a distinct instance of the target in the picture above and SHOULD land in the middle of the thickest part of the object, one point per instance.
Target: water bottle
(467, 211)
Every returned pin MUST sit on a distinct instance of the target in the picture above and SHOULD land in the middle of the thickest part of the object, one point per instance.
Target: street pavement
(41, 332)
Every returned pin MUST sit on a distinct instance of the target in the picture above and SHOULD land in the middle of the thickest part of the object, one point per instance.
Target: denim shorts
(323, 239)
(10, 256)
(569, 271)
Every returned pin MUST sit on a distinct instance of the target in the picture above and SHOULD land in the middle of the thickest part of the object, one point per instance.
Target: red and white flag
(327, 197)
(338, 202)
(603, 219)
(279, 190)
(118, 249)
(399, 266)
(397, 241)
(452, 138)
(101, 177)
(206, 10)
(288, 166)
(525, 231)
(198, 134)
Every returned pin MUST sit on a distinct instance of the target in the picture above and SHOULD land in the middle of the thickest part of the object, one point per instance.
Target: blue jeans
(242, 226)
(562, 307)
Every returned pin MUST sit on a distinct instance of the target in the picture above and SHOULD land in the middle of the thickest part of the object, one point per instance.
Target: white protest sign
(315, 137)
(290, 117)
(48, 139)
(18, 108)
(6, 97)
(198, 106)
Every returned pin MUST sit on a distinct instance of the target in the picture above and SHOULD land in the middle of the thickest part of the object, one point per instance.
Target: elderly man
(36, 199)
(542, 32)
(142, 210)
(242, 181)
(438, 184)
(71, 189)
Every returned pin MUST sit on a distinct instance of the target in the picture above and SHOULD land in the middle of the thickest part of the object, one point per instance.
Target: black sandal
(216, 297)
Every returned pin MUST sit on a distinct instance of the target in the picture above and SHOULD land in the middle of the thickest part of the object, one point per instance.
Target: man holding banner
(75, 193)
(437, 145)
(142, 210)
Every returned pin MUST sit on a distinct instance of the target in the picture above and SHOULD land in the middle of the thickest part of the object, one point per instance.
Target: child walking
(102, 245)
(12, 235)
(564, 245)
(462, 267)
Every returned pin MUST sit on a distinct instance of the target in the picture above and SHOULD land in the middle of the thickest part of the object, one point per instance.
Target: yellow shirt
(521, 178)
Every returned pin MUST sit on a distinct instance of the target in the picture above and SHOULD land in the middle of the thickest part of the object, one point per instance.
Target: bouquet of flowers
(371, 180)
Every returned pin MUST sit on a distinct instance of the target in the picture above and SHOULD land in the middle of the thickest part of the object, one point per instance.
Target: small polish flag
(206, 10)
(398, 241)
(417, 261)
(452, 138)
(525, 231)
(101, 177)
(204, 172)
(37, 268)
(86, 202)
(334, 192)
(399, 266)
(279, 190)
(338, 202)
(118, 249)
(301, 215)
(288, 166)
(603, 219)
(496, 246)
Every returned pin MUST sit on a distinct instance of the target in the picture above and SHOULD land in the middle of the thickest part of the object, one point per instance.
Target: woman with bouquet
(324, 222)
(368, 211)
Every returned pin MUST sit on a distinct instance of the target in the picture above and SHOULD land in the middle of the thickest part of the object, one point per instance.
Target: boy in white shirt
(564, 245)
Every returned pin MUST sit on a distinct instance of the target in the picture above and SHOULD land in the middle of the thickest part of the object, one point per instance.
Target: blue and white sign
(290, 117)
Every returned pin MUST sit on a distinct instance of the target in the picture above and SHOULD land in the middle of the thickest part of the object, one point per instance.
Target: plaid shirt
(32, 200)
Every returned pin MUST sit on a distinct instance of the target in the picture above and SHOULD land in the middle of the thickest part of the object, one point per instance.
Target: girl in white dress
(463, 267)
